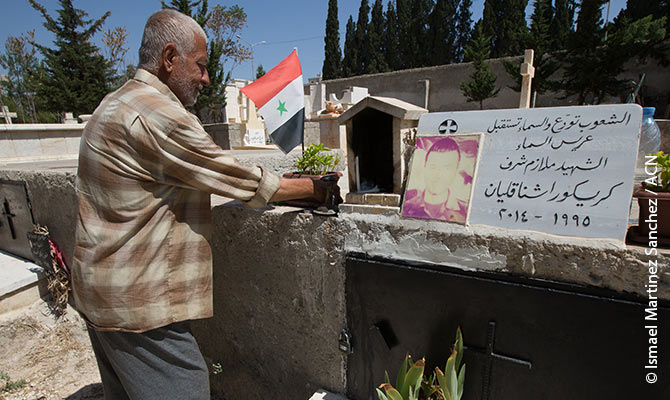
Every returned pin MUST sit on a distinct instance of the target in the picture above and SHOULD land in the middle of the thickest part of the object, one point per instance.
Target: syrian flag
(280, 99)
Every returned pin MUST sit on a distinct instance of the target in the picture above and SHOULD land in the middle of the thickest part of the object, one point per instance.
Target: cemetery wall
(39, 141)
(443, 92)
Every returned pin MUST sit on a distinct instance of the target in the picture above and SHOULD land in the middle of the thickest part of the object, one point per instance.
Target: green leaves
(411, 383)
(313, 162)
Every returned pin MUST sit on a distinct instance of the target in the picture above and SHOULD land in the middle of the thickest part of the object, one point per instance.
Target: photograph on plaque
(440, 179)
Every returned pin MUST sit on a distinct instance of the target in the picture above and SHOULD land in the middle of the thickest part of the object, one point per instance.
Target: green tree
(538, 39)
(16, 91)
(404, 34)
(418, 31)
(391, 50)
(482, 81)
(592, 63)
(463, 28)
(75, 75)
(504, 21)
(442, 32)
(332, 61)
(350, 61)
(360, 38)
(562, 24)
(114, 41)
(190, 8)
(260, 71)
(376, 62)
(638, 9)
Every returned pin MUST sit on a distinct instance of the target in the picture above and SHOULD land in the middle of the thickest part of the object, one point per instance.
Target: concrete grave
(564, 170)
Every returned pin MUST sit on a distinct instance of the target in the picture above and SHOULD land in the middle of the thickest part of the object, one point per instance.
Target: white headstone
(563, 170)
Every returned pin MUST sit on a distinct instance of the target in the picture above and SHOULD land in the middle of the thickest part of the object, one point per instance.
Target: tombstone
(6, 115)
(16, 218)
(69, 119)
(560, 170)
(350, 96)
(377, 132)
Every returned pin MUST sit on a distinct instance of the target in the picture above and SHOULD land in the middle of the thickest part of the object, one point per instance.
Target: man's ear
(169, 57)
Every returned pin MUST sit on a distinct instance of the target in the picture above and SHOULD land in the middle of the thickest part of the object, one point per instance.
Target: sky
(281, 25)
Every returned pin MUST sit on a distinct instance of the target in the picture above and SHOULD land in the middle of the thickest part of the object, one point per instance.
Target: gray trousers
(163, 363)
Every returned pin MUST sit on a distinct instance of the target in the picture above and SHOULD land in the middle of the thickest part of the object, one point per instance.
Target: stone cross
(4, 113)
(490, 355)
(528, 72)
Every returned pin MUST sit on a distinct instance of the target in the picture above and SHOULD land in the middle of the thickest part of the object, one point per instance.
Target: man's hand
(324, 190)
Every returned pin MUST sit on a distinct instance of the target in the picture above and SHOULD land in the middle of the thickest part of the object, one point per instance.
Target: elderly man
(142, 260)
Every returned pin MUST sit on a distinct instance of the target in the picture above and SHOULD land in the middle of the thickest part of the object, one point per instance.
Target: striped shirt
(142, 255)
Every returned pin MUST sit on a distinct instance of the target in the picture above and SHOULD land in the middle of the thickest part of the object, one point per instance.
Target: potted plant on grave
(656, 187)
(316, 162)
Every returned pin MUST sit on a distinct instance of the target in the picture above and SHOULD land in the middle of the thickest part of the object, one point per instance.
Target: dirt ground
(53, 356)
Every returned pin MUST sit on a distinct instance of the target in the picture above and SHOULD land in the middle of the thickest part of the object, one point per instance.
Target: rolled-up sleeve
(183, 154)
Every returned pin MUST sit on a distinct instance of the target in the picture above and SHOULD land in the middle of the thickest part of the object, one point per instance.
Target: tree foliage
(374, 45)
(332, 62)
(17, 90)
(481, 85)
(593, 63)
(504, 21)
(74, 75)
(350, 61)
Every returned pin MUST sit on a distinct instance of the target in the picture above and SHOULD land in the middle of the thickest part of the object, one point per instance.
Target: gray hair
(163, 27)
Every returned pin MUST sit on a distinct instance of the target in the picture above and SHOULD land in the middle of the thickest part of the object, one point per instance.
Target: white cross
(7, 115)
(528, 72)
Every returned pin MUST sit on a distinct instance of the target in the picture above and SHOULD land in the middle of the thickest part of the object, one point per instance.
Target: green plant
(408, 382)
(314, 162)
(411, 384)
(660, 182)
(8, 384)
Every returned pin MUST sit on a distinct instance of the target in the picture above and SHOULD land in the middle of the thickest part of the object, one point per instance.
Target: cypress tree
(418, 30)
(638, 9)
(442, 32)
(75, 76)
(404, 42)
(562, 25)
(361, 38)
(376, 62)
(332, 61)
(350, 61)
(593, 64)
(482, 81)
(504, 21)
(463, 28)
(539, 40)
(391, 51)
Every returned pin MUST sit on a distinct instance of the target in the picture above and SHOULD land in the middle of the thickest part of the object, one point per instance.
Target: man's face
(190, 73)
(440, 171)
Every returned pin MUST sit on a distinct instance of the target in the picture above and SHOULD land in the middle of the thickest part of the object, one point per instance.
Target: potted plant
(653, 197)
(316, 162)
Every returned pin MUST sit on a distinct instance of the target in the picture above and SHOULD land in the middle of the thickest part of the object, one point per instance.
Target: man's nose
(204, 79)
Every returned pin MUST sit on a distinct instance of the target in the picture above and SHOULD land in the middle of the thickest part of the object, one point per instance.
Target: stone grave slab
(561, 170)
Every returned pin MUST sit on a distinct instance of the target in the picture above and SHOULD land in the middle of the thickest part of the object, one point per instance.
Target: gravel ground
(53, 356)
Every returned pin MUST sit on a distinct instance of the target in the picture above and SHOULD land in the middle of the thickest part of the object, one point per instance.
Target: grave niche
(376, 149)
(524, 338)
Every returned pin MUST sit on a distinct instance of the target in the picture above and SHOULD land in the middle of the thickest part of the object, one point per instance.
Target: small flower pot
(660, 202)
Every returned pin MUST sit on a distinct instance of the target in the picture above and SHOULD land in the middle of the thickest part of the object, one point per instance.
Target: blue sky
(283, 25)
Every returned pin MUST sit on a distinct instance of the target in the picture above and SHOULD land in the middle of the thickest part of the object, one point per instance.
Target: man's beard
(188, 90)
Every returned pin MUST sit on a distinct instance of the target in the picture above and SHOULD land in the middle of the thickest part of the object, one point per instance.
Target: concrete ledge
(369, 209)
(16, 273)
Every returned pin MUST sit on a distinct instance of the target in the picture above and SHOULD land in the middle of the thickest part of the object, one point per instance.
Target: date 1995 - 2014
(559, 219)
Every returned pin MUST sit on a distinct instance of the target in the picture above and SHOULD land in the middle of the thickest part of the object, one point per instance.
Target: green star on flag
(282, 108)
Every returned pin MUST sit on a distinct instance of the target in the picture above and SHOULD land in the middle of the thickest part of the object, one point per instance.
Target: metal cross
(491, 355)
(9, 215)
